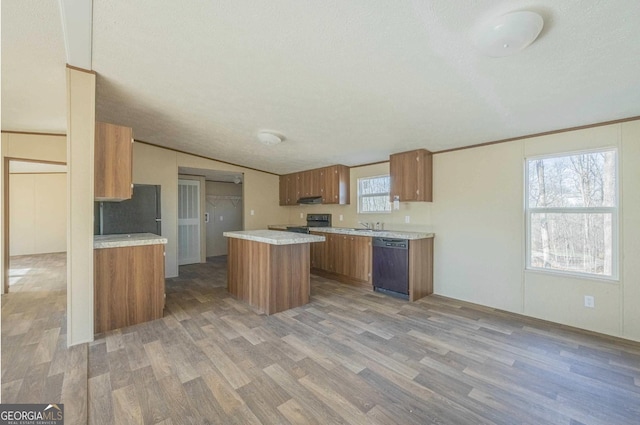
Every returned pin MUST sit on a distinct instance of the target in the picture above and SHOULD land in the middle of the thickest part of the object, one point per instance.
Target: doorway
(221, 209)
(189, 218)
(35, 225)
(224, 214)
(34, 304)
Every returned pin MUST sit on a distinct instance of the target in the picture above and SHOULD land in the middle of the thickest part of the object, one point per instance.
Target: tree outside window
(572, 213)
(373, 194)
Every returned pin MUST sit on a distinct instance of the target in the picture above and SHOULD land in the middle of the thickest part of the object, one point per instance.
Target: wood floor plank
(295, 389)
(136, 354)
(126, 407)
(228, 399)
(232, 373)
(338, 404)
(201, 398)
(296, 414)
(33, 384)
(98, 359)
(152, 404)
(10, 391)
(177, 401)
(74, 393)
(262, 397)
(349, 356)
(376, 356)
(120, 374)
(101, 406)
(114, 340)
(160, 363)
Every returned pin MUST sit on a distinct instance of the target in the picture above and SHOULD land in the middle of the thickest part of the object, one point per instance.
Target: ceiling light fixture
(508, 34)
(268, 138)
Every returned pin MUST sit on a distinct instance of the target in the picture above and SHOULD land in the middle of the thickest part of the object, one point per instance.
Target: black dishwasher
(391, 266)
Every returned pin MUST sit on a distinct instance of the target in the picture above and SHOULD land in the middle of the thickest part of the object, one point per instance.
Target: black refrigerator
(140, 214)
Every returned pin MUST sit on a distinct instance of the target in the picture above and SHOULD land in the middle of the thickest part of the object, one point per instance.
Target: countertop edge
(134, 239)
(400, 234)
(274, 237)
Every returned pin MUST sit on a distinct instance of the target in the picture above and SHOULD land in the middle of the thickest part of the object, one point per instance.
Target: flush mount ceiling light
(268, 138)
(508, 34)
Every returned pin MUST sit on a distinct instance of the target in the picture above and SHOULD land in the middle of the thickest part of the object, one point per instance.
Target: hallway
(37, 366)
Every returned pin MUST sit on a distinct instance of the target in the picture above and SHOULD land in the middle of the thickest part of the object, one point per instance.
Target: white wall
(154, 165)
(81, 119)
(478, 218)
(38, 213)
(27, 146)
(229, 210)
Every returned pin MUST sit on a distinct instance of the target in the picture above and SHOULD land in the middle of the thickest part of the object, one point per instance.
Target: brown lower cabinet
(348, 259)
(128, 286)
(345, 258)
(273, 278)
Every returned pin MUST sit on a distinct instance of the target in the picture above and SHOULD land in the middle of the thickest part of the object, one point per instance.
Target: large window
(572, 214)
(373, 195)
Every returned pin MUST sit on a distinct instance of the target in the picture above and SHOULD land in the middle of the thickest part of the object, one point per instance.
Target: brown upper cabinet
(335, 184)
(289, 189)
(113, 162)
(331, 183)
(411, 175)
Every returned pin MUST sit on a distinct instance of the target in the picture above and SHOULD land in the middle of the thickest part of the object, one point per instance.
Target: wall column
(81, 105)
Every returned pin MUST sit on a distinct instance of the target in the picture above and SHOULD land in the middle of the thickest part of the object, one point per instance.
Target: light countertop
(274, 237)
(374, 233)
(133, 239)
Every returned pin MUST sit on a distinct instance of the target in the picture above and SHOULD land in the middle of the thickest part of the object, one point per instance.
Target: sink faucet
(366, 225)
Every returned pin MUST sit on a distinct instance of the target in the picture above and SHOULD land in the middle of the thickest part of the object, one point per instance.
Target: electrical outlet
(253, 212)
(589, 301)
(407, 219)
(301, 215)
(221, 218)
(341, 217)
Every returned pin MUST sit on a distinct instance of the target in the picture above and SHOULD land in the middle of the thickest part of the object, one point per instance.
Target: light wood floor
(354, 357)
(37, 366)
(350, 356)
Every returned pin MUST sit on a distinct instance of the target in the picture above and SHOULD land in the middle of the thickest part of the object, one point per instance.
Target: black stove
(313, 220)
(298, 229)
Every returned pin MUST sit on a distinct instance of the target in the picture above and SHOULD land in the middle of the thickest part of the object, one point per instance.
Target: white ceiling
(345, 82)
(34, 95)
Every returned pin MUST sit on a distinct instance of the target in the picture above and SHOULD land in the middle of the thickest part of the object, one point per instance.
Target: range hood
(310, 200)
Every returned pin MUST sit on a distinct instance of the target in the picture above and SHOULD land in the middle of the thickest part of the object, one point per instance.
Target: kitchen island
(269, 269)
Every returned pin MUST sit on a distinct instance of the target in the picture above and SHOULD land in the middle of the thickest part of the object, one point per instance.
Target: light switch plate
(407, 219)
(341, 217)
(253, 212)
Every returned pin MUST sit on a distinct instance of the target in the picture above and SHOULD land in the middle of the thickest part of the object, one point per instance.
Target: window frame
(360, 196)
(614, 210)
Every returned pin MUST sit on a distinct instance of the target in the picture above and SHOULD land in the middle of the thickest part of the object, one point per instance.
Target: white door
(188, 222)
